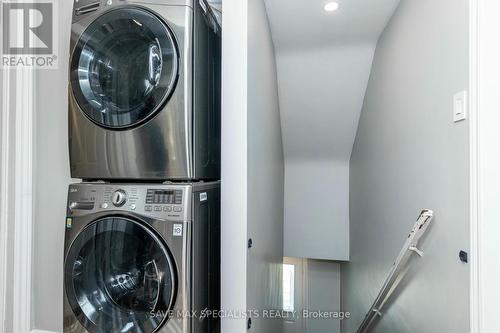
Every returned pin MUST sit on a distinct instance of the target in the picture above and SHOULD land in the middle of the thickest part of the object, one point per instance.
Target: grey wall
(317, 288)
(409, 155)
(323, 285)
(317, 209)
(265, 172)
(51, 183)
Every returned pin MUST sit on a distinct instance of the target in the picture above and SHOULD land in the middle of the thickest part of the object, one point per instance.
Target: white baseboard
(42, 331)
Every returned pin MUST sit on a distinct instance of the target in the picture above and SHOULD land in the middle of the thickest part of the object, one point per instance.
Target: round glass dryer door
(119, 277)
(124, 67)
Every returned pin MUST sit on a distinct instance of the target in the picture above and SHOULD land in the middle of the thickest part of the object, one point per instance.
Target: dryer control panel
(169, 202)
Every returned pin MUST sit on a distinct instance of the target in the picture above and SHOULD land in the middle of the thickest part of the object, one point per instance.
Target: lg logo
(27, 28)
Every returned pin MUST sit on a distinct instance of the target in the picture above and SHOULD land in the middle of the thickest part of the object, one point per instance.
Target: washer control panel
(157, 201)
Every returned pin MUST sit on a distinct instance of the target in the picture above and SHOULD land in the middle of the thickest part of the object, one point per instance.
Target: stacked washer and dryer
(142, 243)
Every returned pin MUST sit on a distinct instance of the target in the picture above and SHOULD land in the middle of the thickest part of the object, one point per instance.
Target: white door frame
(474, 170)
(485, 165)
(234, 165)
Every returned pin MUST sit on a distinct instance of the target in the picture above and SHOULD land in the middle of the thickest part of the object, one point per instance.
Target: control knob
(119, 198)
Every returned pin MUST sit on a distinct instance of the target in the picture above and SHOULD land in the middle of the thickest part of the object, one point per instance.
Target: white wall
(321, 94)
(317, 203)
(252, 168)
(265, 173)
(409, 155)
(51, 184)
(320, 117)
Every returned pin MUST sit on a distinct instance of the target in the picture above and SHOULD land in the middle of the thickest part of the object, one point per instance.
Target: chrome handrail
(398, 268)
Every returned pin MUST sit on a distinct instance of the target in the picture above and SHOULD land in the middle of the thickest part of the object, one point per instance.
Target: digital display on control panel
(167, 197)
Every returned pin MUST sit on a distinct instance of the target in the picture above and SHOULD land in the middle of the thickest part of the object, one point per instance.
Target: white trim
(16, 191)
(4, 193)
(42, 331)
(16, 206)
(24, 200)
(485, 155)
(4, 189)
(234, 165)
(475, 288)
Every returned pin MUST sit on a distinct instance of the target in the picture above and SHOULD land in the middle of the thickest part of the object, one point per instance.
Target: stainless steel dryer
(144, 93)
(141, 258)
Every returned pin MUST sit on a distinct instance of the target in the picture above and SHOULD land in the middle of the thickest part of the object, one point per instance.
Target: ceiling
(324, 61)
(297, 24)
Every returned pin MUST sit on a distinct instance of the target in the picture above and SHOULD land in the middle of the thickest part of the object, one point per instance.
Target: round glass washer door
(119, 277)
(124, 67)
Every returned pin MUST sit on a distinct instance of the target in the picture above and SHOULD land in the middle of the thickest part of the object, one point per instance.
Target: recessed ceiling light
(331, 6)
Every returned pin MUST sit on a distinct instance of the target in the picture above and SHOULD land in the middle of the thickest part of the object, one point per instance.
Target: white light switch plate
(460, 106)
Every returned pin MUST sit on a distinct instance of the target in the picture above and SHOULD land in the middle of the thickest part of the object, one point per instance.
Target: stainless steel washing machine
(144, 92)
(142, 258)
